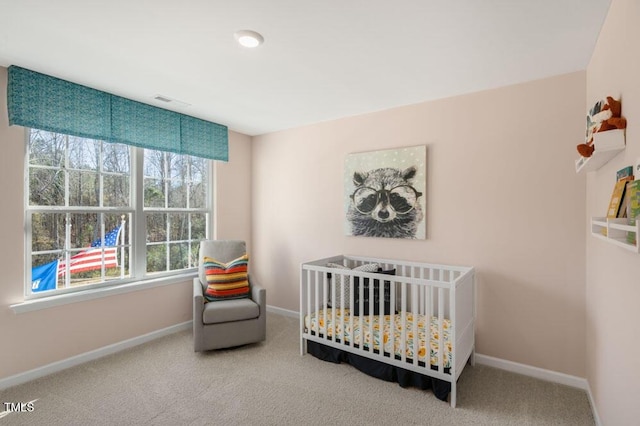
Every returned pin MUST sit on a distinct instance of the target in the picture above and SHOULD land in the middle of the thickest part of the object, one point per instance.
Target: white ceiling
(321, 60)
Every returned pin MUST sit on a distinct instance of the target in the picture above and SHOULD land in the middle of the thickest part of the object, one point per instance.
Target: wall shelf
(607, 145)
(615, 232)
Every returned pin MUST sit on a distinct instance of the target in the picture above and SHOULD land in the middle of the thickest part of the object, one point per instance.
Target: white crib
(431, 328)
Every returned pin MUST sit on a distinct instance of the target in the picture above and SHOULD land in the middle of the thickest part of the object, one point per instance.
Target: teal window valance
(48, 103)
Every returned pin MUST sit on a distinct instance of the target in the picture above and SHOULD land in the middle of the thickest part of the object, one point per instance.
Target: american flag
(91, 259)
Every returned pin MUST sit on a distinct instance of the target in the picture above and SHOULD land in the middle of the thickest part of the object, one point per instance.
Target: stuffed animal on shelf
(604, 115)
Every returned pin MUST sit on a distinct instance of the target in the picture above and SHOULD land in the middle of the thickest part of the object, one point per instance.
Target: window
(100, 213)
(175, 206)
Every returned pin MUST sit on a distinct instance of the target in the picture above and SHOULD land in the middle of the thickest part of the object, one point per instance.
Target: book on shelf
(616, 198)
(624, 172)
(633, 209)
(624, 204)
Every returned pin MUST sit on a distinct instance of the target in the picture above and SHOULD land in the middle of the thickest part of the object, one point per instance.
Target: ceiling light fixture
(248, 38)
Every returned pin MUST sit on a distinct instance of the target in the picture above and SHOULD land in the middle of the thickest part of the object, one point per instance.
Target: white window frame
(139, 279)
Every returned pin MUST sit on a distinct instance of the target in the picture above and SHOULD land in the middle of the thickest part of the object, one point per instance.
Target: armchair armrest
(258, 294)
(198, 310)
(198, 299)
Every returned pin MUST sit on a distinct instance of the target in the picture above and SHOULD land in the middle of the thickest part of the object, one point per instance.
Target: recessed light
(248, 38)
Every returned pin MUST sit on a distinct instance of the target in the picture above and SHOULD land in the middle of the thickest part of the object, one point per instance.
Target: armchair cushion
(230, 310)
(226, 280)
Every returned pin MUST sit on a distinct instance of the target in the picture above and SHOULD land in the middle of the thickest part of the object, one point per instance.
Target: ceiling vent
(168, 100)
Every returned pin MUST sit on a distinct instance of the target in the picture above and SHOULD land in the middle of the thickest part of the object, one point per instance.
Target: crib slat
(403, 334)
(308, 292)
(361, 317)
(440, 327)
(324, 304)
(422, 290)
(333, 307)
(342, 309)
(427, 326)
(421, 296)
(392, 325)
(370, 305)
(381, 313)
(351, 338)
(317, 302)
(414, 330)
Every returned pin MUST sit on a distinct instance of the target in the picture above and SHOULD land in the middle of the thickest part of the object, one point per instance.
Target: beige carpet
(165, 383)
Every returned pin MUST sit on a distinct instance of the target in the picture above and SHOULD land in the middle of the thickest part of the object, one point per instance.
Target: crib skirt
(380, 370)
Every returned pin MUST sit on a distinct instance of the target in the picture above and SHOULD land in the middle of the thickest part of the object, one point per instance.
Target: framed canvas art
(385, 193)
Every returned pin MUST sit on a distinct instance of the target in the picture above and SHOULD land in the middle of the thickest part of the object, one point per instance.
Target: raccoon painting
(385, 204)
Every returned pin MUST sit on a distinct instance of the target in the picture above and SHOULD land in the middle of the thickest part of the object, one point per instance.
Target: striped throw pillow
(226, 280)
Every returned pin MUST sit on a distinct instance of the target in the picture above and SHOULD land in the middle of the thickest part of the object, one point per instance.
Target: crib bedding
(371, 330)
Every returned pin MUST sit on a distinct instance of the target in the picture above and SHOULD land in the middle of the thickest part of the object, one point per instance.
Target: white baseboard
(538, 373)
(594, 410)
(54, 367)
(284, 312)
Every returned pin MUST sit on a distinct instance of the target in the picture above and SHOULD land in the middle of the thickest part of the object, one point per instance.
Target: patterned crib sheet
(311, 324)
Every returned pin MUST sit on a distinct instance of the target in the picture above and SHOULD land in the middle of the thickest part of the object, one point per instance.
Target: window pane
(153, 193)
(197, 186)
(179, 226)
(44, 274)
(122, 257)
(85, 228)
(46, 148)
(84, 188)
(199, 168)
(198, 227)
(47, 232)
(195, 251)
(116, 158)
(84, 154)
(46, 187)
(156, 227)
(179, 256)
(197, 195)
(177, 166)
(177, 194)
(154, 164)
(156, 258)
(116, 191)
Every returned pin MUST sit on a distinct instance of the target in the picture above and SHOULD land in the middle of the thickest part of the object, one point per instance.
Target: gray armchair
(226, 323)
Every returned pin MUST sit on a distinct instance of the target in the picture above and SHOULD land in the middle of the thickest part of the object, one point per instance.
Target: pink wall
(35, 339)
(502, 195)
(613, 283)
(233, 192)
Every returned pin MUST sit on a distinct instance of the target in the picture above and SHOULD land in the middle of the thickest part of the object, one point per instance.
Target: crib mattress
(371, 330)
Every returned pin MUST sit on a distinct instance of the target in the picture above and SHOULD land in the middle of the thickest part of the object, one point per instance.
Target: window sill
(64, 299)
